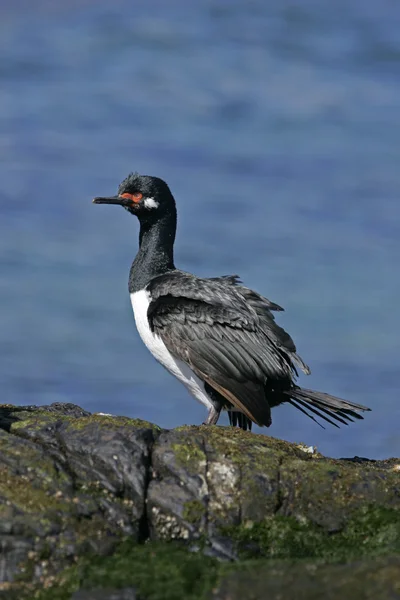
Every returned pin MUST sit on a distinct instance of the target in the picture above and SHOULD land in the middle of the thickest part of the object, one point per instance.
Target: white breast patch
(140, 303)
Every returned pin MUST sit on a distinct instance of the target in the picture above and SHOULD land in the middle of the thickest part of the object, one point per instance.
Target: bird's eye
(136, 197)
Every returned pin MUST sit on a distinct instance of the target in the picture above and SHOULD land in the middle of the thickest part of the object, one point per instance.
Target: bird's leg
(213, 415)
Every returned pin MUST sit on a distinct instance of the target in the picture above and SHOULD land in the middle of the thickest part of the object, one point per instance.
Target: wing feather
(228, 336)
(234, 365)
(228, 292)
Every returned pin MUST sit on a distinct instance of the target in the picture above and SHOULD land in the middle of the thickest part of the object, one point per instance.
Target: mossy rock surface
(210, 482)
(367, 579)
(70, 483)
(94, 506)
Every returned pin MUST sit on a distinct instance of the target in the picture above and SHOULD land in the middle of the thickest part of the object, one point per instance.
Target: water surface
(277, 127)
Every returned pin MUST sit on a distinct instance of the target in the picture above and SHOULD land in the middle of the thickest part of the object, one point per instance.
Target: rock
(95, 506)
(98, 594)
(70, 483)
(359, 580)
(207, 481)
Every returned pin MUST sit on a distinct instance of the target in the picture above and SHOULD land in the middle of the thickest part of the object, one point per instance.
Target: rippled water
(277, 127)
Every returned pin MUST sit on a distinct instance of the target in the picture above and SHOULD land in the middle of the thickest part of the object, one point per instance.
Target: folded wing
(222, 341)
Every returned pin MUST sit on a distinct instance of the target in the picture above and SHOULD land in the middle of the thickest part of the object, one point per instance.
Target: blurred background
(276, 124)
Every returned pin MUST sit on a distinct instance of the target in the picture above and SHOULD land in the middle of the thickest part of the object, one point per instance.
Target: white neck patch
(150, 203)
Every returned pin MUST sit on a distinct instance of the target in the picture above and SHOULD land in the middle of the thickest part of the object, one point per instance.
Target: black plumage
(225, 332)
(228, 335)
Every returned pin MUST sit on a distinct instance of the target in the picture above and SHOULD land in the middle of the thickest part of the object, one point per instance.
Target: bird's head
(149, 198)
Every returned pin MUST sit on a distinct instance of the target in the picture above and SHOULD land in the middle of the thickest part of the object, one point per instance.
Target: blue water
(277, 127)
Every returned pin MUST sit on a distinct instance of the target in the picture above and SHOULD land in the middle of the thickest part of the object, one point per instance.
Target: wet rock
(98, 594)
(70, 483)
(210, 483)
(360, 580)
(100, 506)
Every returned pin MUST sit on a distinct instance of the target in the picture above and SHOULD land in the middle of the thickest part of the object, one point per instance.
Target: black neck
(156, 251)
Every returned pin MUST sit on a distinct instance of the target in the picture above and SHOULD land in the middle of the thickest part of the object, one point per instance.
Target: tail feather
(238, 419)
(306, 407)
(320, 402)
(293, 403)
(339, 414)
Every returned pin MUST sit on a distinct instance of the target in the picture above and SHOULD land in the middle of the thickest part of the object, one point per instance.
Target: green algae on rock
(372, 531)
(159, 572)
(366, 579)
(70, 483)
(239, 478)
(94, 502)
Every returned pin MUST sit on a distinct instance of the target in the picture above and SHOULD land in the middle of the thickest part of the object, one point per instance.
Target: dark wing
(259, 302)
(221, 291)
(262, 308)
(221, 342)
